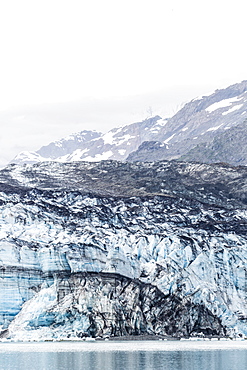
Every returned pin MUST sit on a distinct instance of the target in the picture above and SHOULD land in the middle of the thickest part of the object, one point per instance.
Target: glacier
(110, 249)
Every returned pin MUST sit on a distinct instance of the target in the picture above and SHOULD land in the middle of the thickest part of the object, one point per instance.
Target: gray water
(124, 356)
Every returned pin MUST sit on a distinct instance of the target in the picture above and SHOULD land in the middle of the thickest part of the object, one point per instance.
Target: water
(119, 355)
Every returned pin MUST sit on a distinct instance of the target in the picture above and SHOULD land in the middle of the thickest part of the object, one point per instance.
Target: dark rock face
(149, 151)
(113, 248)
(229, 146)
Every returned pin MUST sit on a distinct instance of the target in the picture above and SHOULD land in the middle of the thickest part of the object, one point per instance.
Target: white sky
(69, 65)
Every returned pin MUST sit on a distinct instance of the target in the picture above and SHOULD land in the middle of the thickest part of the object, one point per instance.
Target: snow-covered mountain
(202, 120)
(118, 248)
(199, 122)
(93, 146)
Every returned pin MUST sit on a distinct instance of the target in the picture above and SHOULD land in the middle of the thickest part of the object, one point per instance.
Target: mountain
(190, 131)
(93, 146)
(59, 150)
(197, 124)
(229, 146)
(68, 145)
(116, 248)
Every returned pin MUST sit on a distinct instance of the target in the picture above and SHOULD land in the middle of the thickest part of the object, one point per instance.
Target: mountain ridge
(197, 122)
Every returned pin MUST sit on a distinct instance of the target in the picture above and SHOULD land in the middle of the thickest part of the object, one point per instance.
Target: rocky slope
(114, 248)
(197, 124)
(229, 146)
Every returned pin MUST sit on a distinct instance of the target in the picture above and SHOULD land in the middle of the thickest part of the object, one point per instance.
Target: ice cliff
(113, 248)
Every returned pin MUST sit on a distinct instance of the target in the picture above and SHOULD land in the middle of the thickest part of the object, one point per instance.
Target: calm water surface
(124, 355)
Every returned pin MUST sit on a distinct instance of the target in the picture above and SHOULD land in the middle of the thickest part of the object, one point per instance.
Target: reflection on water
(123, 356)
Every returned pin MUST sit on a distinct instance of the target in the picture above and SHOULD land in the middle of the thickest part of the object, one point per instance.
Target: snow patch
(124, 138)
(214, 128)
(235, 107)
(161, 122)
(99, 157)
(76, 155)
(169, 138)
(111, 138)
(108, 138)
(221, 104)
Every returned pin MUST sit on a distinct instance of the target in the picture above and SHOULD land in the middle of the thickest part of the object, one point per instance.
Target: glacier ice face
(83, 263)
(109, 305)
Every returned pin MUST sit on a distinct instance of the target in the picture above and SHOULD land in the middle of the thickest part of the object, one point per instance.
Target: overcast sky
(69, 65)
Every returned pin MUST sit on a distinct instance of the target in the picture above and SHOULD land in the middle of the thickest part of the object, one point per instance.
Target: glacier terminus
(109, 249)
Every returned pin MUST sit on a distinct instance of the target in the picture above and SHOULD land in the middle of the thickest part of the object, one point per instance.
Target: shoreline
(137, 338)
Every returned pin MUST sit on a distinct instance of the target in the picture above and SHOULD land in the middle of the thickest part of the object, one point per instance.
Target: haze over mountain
(202, 126)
